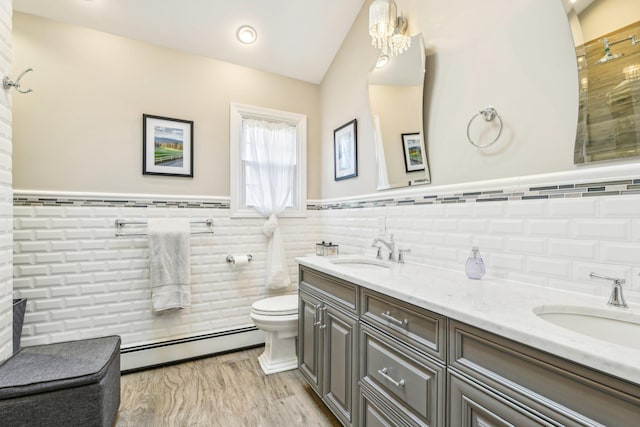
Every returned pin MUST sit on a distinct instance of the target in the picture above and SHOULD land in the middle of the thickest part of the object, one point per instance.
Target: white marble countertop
(499, 306)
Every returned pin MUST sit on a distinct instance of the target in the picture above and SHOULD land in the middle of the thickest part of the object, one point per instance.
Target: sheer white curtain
(269, 156)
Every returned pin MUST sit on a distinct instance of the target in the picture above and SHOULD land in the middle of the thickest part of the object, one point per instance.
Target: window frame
(238, 112)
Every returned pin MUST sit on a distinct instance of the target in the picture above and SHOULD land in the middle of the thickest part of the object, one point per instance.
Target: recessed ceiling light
(247, 34)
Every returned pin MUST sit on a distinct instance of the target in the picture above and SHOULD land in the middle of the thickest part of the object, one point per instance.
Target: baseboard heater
(146, 356)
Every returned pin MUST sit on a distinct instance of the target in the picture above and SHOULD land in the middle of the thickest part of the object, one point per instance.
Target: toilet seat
(284, 305)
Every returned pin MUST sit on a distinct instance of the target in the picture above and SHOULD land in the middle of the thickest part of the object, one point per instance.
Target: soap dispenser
(475, 265)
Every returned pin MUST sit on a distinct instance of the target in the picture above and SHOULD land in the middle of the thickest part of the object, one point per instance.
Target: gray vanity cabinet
(491, 376)
(327, 341)
(379, 361)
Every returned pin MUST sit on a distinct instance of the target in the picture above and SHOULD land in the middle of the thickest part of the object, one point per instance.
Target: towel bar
(120, 223)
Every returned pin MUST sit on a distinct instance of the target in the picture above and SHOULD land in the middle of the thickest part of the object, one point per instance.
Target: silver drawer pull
(402, 323)
(323, 317)
(316, 320)
(384, 374)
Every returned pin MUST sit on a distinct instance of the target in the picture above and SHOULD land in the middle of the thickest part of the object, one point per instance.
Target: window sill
(251, 213)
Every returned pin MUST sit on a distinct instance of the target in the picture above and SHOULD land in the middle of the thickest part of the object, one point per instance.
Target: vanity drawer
(471, 405)
(375, 413)
(414, 325)
(341, 293)
(564, 391)
(402, 377)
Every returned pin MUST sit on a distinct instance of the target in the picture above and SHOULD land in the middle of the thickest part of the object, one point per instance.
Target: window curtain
(269, 153)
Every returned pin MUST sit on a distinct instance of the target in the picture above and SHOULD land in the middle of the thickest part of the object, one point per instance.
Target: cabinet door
(471, 405)
(309, 340)
(340, 362)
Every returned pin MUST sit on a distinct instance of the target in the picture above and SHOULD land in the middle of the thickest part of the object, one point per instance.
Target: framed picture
(413, 155)
(167, 146)
(345, 154)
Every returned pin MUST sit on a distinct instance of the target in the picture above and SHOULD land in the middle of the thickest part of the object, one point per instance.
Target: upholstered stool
(75, 383)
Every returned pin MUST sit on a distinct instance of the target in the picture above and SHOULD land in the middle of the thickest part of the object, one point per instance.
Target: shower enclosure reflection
(607, 39)
(396, 86)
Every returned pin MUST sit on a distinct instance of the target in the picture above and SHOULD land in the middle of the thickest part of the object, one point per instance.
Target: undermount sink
(617, 326)
(362, 263)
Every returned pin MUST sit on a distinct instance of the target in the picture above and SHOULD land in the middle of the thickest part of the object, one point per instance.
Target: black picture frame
(412, 148)
(167, 146)
(345, 151)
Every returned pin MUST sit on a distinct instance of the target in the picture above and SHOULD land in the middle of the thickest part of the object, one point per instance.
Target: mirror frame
(402, 71)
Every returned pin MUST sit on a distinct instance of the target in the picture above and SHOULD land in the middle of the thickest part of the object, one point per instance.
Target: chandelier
(387, 29)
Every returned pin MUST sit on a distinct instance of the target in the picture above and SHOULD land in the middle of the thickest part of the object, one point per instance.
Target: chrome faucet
(391, 245)
(617, 298)
(401, 253)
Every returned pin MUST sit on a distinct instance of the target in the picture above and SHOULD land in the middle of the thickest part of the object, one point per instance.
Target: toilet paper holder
(232, 260)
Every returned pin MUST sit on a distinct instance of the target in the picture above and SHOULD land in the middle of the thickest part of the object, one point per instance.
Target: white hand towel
(277, 271)
(169, 252)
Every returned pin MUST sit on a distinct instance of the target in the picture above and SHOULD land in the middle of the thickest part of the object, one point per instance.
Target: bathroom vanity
(408, 345)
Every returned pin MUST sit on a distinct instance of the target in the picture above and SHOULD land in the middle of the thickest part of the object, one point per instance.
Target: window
(268, 161)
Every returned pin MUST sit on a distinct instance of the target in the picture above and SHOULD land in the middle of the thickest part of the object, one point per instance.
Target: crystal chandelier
(387, 29)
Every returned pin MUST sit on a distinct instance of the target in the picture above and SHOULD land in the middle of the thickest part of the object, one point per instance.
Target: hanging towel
(277, 274)
(169, 252)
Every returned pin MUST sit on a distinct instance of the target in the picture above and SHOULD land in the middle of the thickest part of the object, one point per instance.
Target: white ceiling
(296, 38)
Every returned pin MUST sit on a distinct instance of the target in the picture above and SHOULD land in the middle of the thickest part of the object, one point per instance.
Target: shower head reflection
(608, 56)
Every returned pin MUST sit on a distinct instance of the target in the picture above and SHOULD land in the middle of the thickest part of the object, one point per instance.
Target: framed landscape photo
(345, 154)
(167, 146)
(413, 155)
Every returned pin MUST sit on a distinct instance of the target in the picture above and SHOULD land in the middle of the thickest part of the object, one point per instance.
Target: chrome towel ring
(7, 83)
(488, 114)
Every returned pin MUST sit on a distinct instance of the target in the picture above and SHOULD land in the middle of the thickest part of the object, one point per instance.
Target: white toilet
(278, 318)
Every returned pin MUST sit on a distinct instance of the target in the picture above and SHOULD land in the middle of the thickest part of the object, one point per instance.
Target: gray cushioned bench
(75, 383)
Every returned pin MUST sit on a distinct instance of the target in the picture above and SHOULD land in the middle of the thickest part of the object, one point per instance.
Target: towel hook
(488, 114)
(8, 84)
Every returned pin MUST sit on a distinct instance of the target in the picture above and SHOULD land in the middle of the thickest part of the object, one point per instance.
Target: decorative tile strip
(543, 192)
(116, 203)
(591, 189)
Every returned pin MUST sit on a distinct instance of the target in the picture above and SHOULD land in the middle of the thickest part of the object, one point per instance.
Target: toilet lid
(276, 306)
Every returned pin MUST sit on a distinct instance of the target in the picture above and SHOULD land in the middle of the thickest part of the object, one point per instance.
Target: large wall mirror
(607, 39)
(396, 87)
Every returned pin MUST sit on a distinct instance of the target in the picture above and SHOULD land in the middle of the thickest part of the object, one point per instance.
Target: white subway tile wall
(6, 197)
(82, 281)
(554, 242)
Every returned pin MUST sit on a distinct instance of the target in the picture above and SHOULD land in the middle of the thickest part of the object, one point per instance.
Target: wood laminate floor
(229, 390)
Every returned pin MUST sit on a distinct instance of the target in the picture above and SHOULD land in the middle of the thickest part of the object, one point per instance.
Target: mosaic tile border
(116, 202)
(591, 189)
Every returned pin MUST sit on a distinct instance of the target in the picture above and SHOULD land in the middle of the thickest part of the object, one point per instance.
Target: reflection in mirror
(606, 34)
(396, 85)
